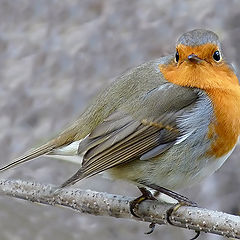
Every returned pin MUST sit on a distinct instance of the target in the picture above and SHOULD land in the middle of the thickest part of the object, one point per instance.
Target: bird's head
(198, 62)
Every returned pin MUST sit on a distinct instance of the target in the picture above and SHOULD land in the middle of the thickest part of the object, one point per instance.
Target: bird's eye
(177, 56)
(217, 56)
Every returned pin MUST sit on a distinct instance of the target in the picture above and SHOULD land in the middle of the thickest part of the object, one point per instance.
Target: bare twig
(104, 204)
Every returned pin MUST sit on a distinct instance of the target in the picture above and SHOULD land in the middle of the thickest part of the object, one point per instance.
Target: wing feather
(142, 132)
(130, 141)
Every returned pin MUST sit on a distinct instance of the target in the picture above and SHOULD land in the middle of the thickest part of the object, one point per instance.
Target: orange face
(202, 71)
(204, 52)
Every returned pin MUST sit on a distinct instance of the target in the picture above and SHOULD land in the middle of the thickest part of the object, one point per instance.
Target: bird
(163, 125)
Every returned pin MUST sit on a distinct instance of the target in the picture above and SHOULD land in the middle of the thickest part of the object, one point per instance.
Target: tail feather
(63, 139)
(32, 154)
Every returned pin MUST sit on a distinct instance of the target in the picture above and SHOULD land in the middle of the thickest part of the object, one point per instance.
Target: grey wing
(124, 140)
(124, 136)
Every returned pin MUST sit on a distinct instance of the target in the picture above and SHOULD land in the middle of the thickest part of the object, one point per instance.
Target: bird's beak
(194, 58)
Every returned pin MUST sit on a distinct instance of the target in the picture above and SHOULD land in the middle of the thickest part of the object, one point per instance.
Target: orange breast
(226, 127)
(222, 86)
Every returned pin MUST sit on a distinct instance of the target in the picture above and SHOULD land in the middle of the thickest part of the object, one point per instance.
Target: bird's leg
(146, 195)
(174, 195)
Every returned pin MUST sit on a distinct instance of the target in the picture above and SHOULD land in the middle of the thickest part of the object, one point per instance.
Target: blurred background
(54, 57)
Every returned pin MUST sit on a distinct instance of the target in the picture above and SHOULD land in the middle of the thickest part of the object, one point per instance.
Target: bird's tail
(63, 139)
(32, 154)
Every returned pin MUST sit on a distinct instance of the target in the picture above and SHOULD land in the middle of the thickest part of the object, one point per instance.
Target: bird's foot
(146, 195)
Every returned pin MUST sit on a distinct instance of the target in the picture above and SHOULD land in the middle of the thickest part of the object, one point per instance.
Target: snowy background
(54, 57)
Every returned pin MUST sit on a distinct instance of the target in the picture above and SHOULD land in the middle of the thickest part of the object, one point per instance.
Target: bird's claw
(174, 208)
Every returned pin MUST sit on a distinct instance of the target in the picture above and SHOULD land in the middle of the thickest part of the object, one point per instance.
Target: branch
(104, 204)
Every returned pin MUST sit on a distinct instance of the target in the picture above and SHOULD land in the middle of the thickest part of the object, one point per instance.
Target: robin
(163, 125)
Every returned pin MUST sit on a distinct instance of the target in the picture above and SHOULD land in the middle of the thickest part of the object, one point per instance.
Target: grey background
(54, 57)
